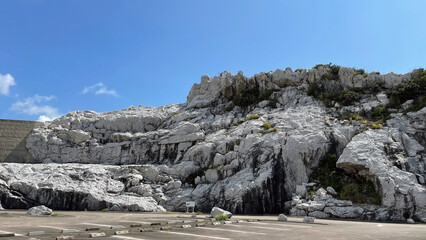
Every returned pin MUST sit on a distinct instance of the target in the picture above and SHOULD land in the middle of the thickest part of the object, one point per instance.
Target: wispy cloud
(32, 106)
(6, 81)
(99, 88)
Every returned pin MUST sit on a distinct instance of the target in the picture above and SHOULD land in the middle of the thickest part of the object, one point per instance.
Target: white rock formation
(369, 154)
(209, 151)
(219, 211)
(91, 187)
(39, 211)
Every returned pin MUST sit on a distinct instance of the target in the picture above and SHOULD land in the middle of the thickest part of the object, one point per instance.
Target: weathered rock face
(369, 154)
(245, 160)
(72, 187)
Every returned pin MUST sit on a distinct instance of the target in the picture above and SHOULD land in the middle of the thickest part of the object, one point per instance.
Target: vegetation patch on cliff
(252, 95)
(345, 97)
(414, 89)
(348, 187)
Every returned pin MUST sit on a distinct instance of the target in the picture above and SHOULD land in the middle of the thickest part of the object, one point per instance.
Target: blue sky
(61, 56)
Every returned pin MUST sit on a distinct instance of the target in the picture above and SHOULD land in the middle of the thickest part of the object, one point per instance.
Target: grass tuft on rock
(221, 217)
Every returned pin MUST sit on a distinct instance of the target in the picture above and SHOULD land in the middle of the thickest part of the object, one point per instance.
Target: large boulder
(282, 218)
(218, 211)
(308, 219)
(369, 155)
(39, 211)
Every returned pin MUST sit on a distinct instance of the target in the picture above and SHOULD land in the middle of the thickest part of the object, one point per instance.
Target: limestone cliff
(239, 143)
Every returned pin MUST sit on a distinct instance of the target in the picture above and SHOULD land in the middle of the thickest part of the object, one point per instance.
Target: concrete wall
(13, 136)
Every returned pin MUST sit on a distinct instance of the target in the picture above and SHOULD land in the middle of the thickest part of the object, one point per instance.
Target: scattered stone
(39, 211)
(301, 190)
(218, 211)
(331, 190)
(308, 219)
(410, 220)
(318, 214)
(282, 218)
(1, 207)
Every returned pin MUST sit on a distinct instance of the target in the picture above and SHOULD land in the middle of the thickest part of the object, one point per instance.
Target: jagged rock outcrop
(246, 159)
(73, 187)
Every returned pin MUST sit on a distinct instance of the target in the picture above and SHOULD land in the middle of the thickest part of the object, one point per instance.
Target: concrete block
(121, 232)
(36, 233)
(136, 225)
(165, 228)
(146, 230)
(200, 225)
(92, 229)
(186, 226)
(215, 223)
(70, 231)
(98, 234)
(7, 234)
(65, 238)
(117, 227)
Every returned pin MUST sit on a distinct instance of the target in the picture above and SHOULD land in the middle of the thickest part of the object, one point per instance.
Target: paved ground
(15, 221)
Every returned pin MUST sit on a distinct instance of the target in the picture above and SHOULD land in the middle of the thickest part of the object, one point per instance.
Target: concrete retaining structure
(13, 136)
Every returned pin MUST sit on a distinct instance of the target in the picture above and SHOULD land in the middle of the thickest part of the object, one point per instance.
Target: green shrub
(104, 210)
(361, 192)
(344, 97)
(252, 95)
(298, 70)
(314, 90)
(419, 103)
(321, 65)
(346, 186)
(252, 117)
(380, 112)
(351, 116)
(333, 74)
(270, 130)
(414, 89)
(360, 72)
(221, 217)
(229, 108)
(266, 125)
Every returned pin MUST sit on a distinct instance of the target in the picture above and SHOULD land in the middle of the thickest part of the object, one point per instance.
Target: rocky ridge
(226, 148)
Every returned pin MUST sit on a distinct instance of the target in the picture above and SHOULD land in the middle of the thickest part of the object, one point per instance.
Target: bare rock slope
(242, 144)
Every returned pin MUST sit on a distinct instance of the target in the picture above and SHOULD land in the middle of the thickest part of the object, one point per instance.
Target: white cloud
(5, 82)
(31, 106)
(99, 88)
